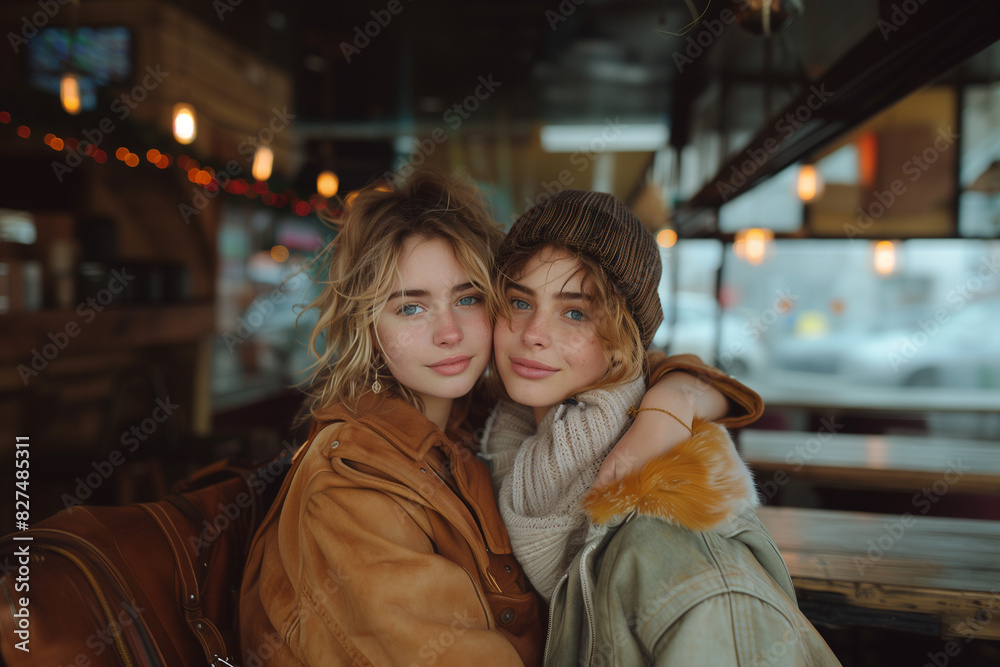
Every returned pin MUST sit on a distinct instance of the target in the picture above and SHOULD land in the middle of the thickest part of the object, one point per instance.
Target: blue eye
(520, 304)
(469, 300)
(576, 315)
(408, 309)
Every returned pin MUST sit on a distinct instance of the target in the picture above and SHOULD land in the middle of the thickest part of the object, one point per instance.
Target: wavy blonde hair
(616, 329)
(363, 265)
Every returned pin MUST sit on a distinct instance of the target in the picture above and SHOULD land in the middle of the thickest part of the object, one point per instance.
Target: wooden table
(920, 573)
(876, 461)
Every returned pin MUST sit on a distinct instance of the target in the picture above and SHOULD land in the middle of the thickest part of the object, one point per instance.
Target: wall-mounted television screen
(100, 56)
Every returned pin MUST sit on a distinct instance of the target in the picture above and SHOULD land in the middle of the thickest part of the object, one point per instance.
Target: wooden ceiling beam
(902, 53)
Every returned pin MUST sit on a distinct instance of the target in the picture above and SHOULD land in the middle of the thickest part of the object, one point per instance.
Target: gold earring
(376, 385)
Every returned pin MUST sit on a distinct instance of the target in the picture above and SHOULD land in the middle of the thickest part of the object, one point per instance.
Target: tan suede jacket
(386, 546)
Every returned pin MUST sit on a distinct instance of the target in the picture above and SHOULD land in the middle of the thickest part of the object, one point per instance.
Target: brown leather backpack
(150, 584)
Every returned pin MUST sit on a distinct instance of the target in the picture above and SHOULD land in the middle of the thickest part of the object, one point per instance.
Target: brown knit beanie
(601, 226)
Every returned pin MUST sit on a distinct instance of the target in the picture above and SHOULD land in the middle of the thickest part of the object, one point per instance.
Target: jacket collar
(410, 432)
(397, 420)
(700, 484)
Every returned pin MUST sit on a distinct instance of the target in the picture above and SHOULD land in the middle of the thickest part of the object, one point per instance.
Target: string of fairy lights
(202, 175)
(751, 245)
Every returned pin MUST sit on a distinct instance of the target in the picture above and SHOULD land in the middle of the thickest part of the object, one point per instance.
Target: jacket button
(334, 444)
(508, 568)
(507, 615)
(423, 470)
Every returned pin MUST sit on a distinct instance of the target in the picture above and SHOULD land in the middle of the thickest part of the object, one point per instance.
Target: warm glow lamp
(263, 160)
(753, 245)
(666, 238)
(185, 123)
(885, 257)
(810, 184)
(69, 93)
(327, 183)
(279, 253)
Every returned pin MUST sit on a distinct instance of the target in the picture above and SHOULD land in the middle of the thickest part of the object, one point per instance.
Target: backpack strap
(211, 640)
(213, 473)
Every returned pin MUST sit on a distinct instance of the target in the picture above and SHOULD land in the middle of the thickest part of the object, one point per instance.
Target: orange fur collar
(698, 484)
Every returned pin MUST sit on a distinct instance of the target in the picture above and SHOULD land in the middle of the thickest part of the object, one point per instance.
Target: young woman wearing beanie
(385, 546)
(669, 565)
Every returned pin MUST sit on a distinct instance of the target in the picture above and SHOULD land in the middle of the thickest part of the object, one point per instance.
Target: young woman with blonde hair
(385, 546)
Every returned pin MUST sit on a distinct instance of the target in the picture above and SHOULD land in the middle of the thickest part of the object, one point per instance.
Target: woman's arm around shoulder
(681, 389)
(710, 389)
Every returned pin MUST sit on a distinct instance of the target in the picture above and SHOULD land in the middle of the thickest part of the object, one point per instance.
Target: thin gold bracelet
(633, 411)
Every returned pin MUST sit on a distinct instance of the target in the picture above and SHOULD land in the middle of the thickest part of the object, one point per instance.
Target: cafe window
(260, 346)
(919, 317)
(979, 173)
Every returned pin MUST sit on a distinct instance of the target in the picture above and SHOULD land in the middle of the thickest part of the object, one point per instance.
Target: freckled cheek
(396, 343)
(575, 344)
(503, 336)
(477, 331)
(584, 352)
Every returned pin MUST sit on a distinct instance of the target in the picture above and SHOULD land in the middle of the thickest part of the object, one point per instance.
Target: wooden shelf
(110, 329)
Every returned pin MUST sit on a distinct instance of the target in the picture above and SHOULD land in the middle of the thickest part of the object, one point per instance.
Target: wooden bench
(898, 463)
(939, 576)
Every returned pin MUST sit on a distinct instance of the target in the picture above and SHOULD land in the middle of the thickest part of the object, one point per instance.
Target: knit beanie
(601, 226)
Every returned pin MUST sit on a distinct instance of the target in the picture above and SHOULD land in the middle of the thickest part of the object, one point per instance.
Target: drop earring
(376, 385)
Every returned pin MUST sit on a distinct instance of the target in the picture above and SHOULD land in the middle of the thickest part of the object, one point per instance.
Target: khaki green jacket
(647, 590)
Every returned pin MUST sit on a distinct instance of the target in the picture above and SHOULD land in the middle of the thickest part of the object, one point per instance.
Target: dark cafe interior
(822, 179)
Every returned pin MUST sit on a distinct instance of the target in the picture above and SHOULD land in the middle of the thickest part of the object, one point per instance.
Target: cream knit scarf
(546, 474)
